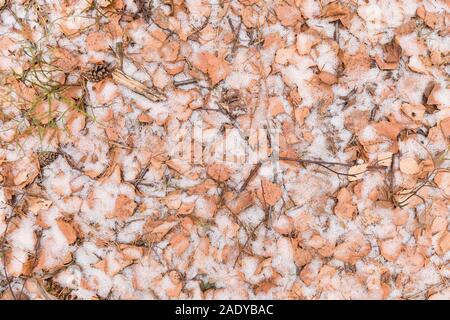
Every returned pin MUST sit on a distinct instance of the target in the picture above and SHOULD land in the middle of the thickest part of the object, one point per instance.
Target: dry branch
(150, 93)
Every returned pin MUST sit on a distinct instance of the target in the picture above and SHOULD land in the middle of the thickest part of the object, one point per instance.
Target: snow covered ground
(225, 149)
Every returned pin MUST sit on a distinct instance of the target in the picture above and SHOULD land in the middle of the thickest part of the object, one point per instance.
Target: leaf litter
(342, 105)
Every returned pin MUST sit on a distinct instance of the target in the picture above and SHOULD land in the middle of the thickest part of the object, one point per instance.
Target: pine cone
(98, 72)
(232, 101)
(46, 157)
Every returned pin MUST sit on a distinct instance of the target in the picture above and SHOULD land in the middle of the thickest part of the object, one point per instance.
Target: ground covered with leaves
(226, 149)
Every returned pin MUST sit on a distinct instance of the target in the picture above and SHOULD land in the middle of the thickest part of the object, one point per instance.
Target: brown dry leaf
(269, 192)
(414, 111)
(21, 172)
(302, 257)
(219, 172)
(301, 114)
(170, 51)
(356, 120)
(173, 200)
(68, 231)
(112, 133)
(179, 165)
(352, 249)
(283, 225)
(390, 249)
(284, 55)
(76, 121)
(36, 204)
(409, 166)
(216, 67)
(385, 159)
(439, 224)
(328, 78)
(202, 187)
(240, 203)
(65, 60)
(406, 28)
(186, 208)
(124, 207)
(430, 19)
(416, 64)
(155, 231)
(388, 129)
(358, 172)
(288, 15)
(439, 96)
(444, 242)
(265, 287)
(251, 16)
(112, 265)
(248, 2)
(392, 52)
(445, 127)
(335, 11)
(145, 118)
(218, 70)
(179, 243)
(385, 65)
(46, 111)
(442, 179)
(345, 208)
(97, 41)
(275, 106)
(360, 61)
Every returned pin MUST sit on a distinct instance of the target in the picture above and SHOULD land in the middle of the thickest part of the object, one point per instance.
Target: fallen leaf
(269, 192)
(36, 204)
(388, 129)
(123, 208)
(345, 208)
(357, 172)
(409, 166)
(328, 78)
(219, 172)
(68, 231)
(156, 230)
(390, 249)
(413, 111)
(288, 15)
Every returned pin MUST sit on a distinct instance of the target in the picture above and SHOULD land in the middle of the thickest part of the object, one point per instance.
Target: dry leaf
(156, 230)
(345, 208)
(219, 172)
(123, 208)
(288, 15)
(409, 166)
(36, 204)
(328, 78)
(269, 192)
(357, 172)
(413, 111)
(68, 231)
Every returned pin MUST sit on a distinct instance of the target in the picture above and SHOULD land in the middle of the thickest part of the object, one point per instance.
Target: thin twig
(250, 176)
(300, 160)
(252, 234)
(184, 82)
(150, 93)
(8, 281)
(33, 265)
(2, 246)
